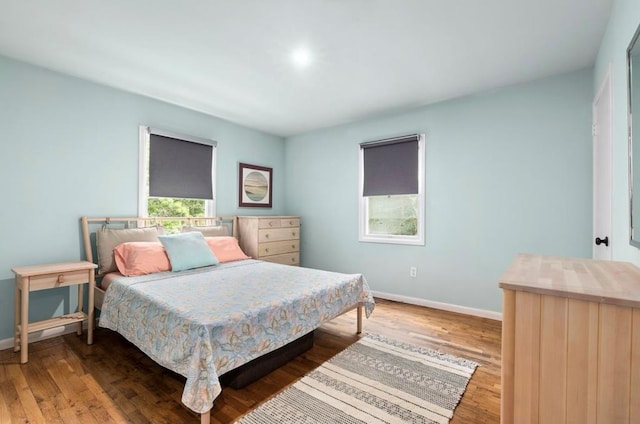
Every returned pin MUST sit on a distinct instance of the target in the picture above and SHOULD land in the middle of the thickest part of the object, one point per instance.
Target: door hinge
(594, 130)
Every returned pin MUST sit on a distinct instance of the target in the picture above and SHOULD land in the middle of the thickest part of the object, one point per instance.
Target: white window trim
(418, 239)
(143, 166)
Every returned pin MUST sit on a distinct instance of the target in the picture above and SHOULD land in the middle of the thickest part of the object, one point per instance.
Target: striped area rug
(374, 381)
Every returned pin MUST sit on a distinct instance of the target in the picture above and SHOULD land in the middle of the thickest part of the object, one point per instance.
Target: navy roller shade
(179, 168)
(391, 166)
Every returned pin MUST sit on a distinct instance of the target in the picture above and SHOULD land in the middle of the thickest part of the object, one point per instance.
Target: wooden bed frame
(143, 222)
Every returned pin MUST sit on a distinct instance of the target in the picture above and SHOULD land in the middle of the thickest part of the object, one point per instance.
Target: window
(177, 174)
(392, 190)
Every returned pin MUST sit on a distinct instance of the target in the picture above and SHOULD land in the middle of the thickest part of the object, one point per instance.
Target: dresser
(271, 238)
(570, 341)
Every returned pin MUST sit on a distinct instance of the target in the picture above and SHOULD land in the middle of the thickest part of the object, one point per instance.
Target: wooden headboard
(143, 222)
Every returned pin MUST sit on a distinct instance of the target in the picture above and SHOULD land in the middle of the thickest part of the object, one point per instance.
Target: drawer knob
(266, 236)
(293, 233)
(60, 278)
(266, 250)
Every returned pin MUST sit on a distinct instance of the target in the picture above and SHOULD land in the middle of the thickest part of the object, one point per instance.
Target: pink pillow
(141, 257)
(226, 249)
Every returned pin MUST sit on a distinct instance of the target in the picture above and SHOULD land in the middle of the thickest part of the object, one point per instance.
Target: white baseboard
(439, 305)
(44, 334)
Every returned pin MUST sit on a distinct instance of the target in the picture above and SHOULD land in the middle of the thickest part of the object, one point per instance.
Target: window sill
(413, 241)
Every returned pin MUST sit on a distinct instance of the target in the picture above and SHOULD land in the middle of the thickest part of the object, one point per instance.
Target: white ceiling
(232, 58)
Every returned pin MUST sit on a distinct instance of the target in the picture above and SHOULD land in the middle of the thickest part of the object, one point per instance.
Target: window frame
(143, 167)
(363, 235)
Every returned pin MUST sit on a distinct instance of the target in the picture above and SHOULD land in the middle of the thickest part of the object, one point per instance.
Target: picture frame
(255, 186)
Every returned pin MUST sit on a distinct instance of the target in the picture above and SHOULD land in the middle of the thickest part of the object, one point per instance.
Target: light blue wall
(506, 172)
(624, 19)
(69, 148)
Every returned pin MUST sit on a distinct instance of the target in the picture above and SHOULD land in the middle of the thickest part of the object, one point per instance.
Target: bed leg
(205, 417)
(359, 324)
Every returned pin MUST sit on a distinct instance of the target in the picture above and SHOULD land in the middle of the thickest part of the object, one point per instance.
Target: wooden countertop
(616, 283)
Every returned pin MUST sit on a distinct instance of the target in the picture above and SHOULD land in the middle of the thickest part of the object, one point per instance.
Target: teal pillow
(187, 250)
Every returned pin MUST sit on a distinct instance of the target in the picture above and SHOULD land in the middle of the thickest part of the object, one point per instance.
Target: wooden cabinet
(570, 341)
(42, 277)
(270, 238)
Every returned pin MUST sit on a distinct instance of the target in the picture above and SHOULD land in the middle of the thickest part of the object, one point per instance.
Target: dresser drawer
(286, 259)
(278, 247)
(278, 234)
(290, 222)
(278, 222)
(269, 223)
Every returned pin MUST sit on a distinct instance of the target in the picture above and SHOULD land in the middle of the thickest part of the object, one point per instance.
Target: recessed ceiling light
(301, 57)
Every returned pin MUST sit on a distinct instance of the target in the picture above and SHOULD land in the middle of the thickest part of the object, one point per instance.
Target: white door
(602, 168)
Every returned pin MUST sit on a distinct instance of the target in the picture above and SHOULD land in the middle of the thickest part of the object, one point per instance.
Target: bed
(207, 321)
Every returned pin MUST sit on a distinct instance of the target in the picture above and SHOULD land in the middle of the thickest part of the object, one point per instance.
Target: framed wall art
(254, 186)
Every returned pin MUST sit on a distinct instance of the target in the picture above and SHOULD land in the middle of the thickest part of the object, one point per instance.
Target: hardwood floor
(66, 381)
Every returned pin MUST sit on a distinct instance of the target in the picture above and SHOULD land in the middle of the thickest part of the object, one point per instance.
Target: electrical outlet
(413, 271)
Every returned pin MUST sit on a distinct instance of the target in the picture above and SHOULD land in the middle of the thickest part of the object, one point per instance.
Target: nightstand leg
(16, 316)
(91, 309)
(24, 323)
(80, 305)
(359, 319)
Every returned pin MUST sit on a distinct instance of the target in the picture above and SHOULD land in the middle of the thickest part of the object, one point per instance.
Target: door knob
(604, 241)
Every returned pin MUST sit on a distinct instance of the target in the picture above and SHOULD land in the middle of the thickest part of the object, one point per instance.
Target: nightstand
(48, 276)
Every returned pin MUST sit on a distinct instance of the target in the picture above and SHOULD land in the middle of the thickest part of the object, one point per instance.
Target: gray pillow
(215, 231)
(108, 238)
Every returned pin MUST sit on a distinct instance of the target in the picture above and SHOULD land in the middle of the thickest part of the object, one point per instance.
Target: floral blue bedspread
(202, 323)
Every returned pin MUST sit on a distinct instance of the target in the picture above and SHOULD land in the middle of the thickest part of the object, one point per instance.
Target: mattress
(108, 278)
